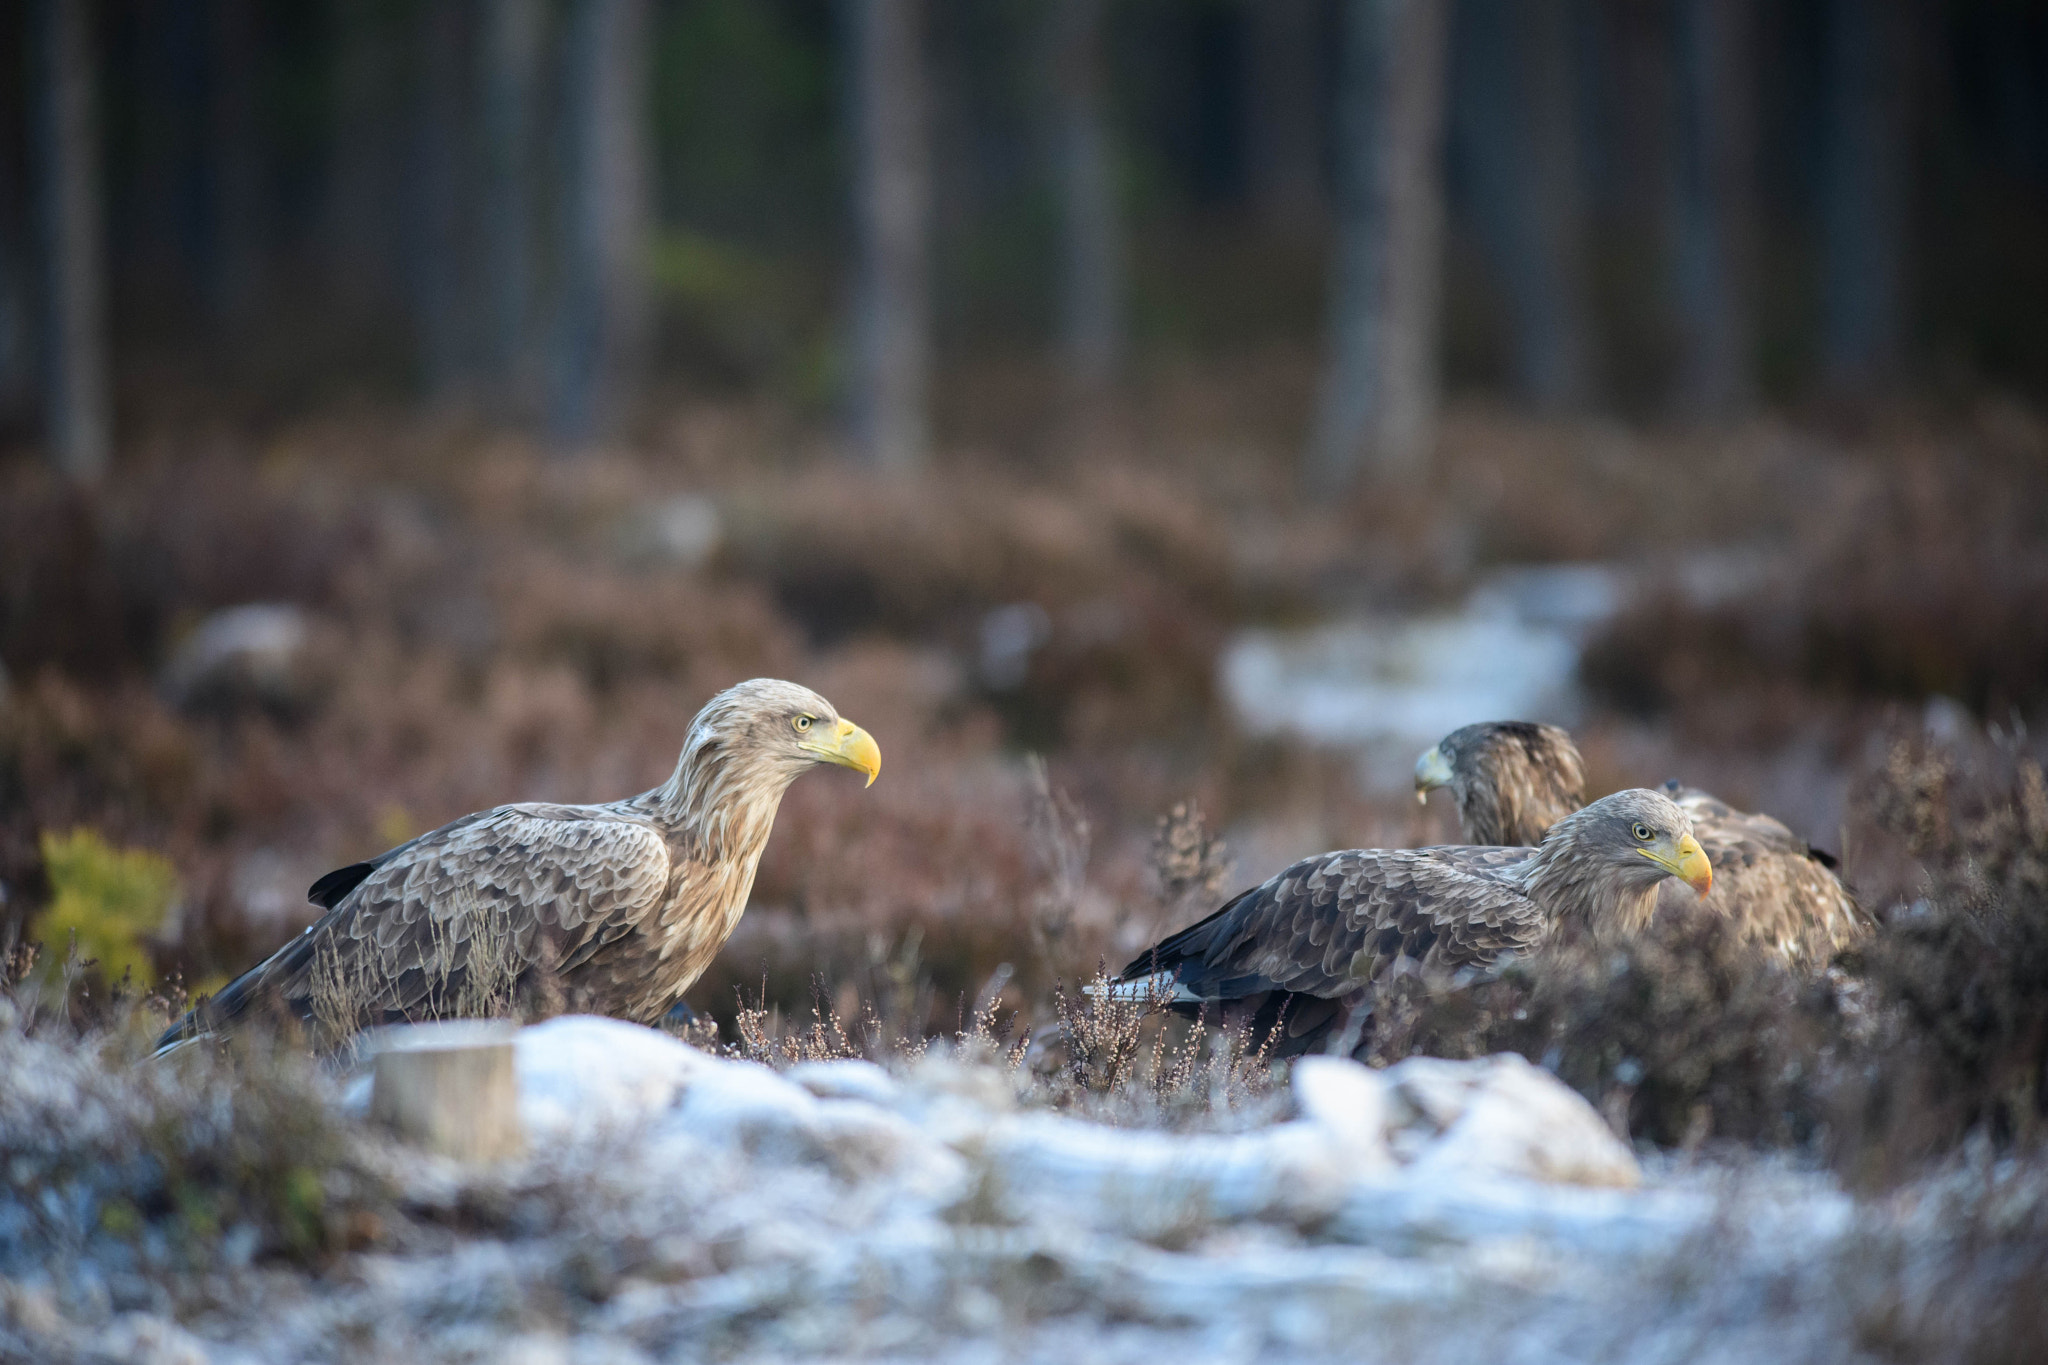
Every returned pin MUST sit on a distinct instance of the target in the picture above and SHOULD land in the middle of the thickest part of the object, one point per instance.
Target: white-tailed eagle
(1513, 780)
(1307, 948)
(613, 909)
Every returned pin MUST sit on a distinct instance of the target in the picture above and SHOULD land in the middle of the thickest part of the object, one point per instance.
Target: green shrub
(110, 899)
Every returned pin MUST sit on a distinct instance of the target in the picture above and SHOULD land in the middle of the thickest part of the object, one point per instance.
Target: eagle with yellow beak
(1513, 780)
(1295, 957)
(612, 909)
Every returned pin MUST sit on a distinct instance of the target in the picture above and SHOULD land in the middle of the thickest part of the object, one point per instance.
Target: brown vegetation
(485, 623)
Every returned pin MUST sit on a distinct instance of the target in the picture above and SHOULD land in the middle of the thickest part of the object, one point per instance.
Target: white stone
(847, 1078)
(581, 1074)
(1350, 1100)
(1517, 1120)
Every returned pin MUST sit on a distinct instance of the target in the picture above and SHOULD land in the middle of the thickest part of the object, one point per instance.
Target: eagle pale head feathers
(744, 749)
(780, 728)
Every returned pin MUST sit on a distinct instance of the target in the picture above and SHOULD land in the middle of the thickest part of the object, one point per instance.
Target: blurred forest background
(412, 405)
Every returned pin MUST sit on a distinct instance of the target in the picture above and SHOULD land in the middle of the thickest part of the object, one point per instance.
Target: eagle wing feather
(1769, 882)
(1328, 925)
(431, 914)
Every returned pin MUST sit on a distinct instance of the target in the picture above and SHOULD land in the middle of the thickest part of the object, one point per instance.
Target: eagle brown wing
(1776, 889)
(420, 929)
(1330, 924)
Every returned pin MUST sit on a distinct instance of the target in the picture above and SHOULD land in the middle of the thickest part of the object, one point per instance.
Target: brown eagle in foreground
(1512, 780)
(1305, 950)
(614, 909)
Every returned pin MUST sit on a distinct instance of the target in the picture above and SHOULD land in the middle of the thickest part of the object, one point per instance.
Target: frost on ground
(679, 1206)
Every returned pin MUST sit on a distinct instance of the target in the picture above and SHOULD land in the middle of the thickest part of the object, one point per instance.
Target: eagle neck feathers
(716, 805)
(1580, 890)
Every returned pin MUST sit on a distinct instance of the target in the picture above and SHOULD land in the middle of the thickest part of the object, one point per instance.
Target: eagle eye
(803, 723)
(1641, 831)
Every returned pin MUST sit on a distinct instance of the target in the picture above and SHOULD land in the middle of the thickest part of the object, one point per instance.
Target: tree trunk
(438, 255)
(151, 246)
(365, 179)
(76, 407)
(892, 193)
(1863, 192)
(1284, 135)
(1517, 136)
(1380, 386)
(1091, 293)
(234, 259)
(17, 311)
(511, 52)
(601, 330)
(1714, 205)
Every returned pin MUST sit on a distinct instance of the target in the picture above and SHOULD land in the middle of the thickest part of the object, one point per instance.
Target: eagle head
(1511, 779)
(1604, 862)
(782, 728)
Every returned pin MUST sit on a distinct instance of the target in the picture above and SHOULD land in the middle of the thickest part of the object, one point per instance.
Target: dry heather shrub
(1131, 573)
(886, 1032)
(1965, 964)
(1104, 1032)
(1127, 1060)
(1190, 862)
(1934, 582)
(1060, 836)
(155, 1166)
(763, 1036)
(1680, 1034)
(1966, 1281)
(95, 583)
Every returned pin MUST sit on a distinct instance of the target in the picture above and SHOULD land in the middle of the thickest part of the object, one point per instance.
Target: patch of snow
(1349, 1100)
(145, 1339)
(847, 1078)
(1143, 1184)
(1386, 687)
(680, 1205)
(1502, 1116)
(581, 1074)
(685, 529)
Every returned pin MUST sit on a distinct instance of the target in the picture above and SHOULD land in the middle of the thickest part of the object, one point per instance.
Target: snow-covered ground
(677, 1206)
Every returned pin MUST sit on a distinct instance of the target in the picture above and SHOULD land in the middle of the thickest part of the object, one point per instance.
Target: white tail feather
(1163, 987)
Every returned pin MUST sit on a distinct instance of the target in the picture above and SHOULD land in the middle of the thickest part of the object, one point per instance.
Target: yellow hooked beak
(1432, 770)
(1685, 860)
(850, 747)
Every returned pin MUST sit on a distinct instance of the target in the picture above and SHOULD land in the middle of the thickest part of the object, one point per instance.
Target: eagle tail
(1161, 986)
(236, 998)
